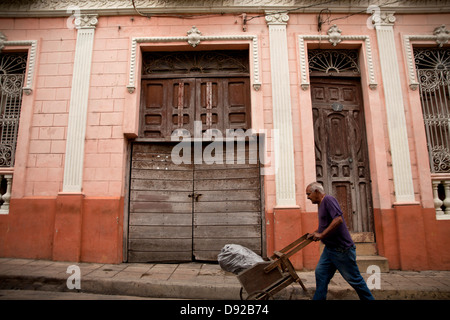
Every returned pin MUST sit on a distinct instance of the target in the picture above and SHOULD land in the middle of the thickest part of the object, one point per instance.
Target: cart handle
(284, 254)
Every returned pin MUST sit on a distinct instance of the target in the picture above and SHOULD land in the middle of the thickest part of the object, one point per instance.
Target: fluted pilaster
(281, 105)
(398, 137)
(76, 131)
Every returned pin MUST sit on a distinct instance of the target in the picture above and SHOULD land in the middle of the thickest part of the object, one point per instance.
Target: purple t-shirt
(328, 210)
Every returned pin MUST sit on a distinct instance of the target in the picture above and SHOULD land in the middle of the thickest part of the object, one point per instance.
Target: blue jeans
(343, 260)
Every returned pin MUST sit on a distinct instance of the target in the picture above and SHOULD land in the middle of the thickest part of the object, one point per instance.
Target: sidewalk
(201, 281)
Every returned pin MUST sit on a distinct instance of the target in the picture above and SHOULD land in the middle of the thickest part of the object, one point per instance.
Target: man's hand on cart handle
(315, 236)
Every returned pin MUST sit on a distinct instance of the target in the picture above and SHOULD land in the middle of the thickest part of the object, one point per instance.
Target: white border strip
(303, 57)
(132, 72)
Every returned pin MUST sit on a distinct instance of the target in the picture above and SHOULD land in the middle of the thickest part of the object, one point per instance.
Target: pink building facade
(354, 98)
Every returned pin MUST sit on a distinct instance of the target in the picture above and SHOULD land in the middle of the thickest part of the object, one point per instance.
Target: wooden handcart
(265, 279)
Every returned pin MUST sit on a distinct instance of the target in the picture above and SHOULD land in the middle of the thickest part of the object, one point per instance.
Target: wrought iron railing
(10, 103)
(434, 94)
(433, 72)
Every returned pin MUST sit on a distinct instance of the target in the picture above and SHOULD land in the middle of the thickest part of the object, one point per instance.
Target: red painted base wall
(410, 237)
(75, 228)
(66, 228)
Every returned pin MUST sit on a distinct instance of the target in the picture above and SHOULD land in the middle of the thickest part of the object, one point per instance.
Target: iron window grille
(12, 75)
(433, 73)
(333, 63)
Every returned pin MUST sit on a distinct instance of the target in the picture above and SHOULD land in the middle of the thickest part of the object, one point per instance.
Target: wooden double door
(341, 151)
(218, 103)
(189, 211)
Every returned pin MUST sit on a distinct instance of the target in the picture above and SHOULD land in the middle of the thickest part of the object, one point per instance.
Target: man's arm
(316, 236)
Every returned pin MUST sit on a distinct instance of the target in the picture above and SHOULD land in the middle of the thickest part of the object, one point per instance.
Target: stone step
(366, 248)
(362, 236)
(365, 261)
(362, 248)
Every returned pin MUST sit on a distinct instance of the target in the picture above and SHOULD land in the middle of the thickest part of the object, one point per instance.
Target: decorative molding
(28, 8)
(274, 17)
(28, 88)
(86, 21)
(194, 36)
(198, 38)
(383, 19)
(334, 35)
(2, 41)
(304, 80)
(440, 36)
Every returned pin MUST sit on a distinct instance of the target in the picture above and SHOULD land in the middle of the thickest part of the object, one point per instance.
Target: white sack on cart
(236, 258)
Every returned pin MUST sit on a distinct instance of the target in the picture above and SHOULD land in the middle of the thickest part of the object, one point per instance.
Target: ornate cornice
(119, 7)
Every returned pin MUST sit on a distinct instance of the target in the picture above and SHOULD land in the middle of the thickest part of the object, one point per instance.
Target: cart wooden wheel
(241, 293)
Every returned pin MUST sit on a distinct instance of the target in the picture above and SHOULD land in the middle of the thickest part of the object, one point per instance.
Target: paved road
(50, 295)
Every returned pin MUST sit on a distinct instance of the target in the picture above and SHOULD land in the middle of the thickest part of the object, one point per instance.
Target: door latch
(195, 195)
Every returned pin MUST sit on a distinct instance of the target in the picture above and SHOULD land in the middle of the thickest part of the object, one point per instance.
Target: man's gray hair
(316, 186)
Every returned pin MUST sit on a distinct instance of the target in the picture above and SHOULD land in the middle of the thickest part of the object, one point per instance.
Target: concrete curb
(192, 290)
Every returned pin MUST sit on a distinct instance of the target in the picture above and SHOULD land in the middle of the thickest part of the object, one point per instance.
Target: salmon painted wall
(409, 234)
(45, 223)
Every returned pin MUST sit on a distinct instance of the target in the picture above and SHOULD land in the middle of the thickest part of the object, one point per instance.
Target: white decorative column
(401, 164)
(76, 131)
(281, 105)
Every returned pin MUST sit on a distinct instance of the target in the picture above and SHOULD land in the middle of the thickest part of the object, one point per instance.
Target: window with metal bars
(12, 74)
(433, 73)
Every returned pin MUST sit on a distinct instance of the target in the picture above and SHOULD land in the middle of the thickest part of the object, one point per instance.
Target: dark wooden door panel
(166, 105)
(341, 151)
(170, 104)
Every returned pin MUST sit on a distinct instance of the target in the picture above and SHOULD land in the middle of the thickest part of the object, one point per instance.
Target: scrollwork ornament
(441, 159)
(11, 85)
(194, 36)
(277, 18)
(86, 21)
(5, 155)
(334, 34)
(442, 35)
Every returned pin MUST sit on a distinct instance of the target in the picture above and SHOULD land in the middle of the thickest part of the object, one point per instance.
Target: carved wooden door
(169, 104)
(342, 163)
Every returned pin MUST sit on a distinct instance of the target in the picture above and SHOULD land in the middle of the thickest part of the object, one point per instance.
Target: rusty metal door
(342, 162)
